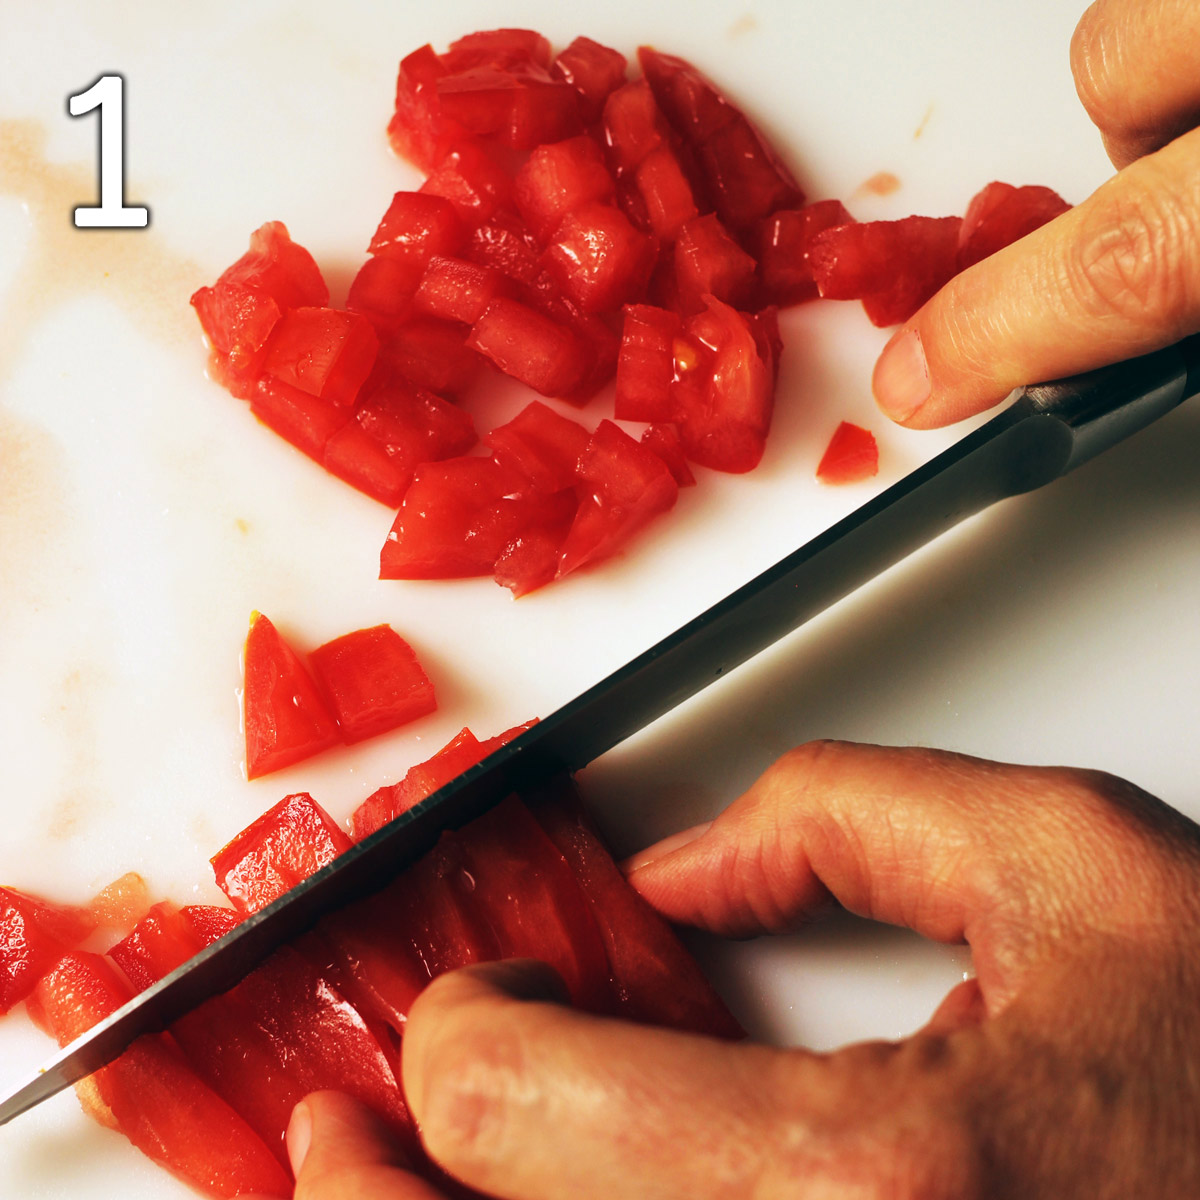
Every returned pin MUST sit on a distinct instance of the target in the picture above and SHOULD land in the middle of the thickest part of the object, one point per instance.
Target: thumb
(340, 1150)
(1115, 277)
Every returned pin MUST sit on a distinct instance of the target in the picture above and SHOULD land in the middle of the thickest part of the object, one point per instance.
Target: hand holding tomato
(1068, 1067)
(1116, 276)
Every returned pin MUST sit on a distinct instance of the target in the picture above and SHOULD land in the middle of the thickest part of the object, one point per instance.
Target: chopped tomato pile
(577, 227)
(211, 1098)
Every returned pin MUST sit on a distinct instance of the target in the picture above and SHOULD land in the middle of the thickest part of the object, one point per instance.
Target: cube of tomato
(472, 181)
(538, 351)
(505, 243)
(418, 131)
(373, 681)
(593, 71)
(666, 192)
(34, 934)
(634, 126)
(1000, 214)
(782, 241)
(358, 459)
(598, 259)
(412, 424)
(307, 421)
(541, 445)
(850, 457)
(418, 225)
(323, 351)
(498, 48)
(433, 354)
(558, 179)
(689, 99)
(708, 262)
(664, 441)
(459, 290)
(383, 290)
(519, 105)
(646, 366)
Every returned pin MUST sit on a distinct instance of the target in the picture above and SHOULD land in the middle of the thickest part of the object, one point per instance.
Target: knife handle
(1095, 410)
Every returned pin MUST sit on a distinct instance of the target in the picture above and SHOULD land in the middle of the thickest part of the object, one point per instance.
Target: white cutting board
(144, 514)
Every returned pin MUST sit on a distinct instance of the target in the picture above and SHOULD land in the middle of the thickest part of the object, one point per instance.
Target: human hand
(1116, 276)
(1069, 1067)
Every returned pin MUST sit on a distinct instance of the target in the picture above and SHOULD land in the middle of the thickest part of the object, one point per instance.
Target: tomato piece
(665, 192)
(154, 1098)
(358, 459)
(634, 126)
(655, 979)
(34, 935)
(892, 266)
(505, 243)
(664, 441)
(323, 351)
(417, 130)
(374, 682)
(307, 421)
(530, 560)
(559, 179)
(457, 516)
(432, 354)
(646, 366)
(593, 70)
(519, 105)
(472, 181)
(850, 457)
(541, 445)
(241, 309)
(540, 352)
(725, 388)
(418, 225)
(525, 893)
(280, 849)
(456, 289)
(782, 243)
(622, 486)
(598, 259)
(498, 48)
(383, 290)
(691, 102)
(708, 262)
(413, 425)
(286, 720)
(1000, 214)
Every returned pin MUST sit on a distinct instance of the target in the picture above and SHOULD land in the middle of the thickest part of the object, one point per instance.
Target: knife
(1047, 431)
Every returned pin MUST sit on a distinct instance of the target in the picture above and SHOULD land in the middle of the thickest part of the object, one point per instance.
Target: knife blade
(1047, 431)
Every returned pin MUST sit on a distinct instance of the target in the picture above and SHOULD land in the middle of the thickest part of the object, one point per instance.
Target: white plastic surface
(144, 514)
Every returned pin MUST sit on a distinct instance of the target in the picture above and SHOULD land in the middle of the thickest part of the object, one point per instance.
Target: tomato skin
(782, 242)
(850, 457)
(1000, 214)
(323, 351)
(374, 682)
(286, 719)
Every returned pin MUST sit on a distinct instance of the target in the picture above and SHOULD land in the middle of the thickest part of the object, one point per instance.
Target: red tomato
(541, 353)
(559, 179)
(279, 850)
(34, 934)
(383, 290)
(541, 445)
(432, 354)
(593, 71)
(666, 194)
(646, 366)
(664, 441)
(708, 262)
(373, 681)
(322, 351)
(286, 719)
(598, 260)
(782, 241)
(472, 181)
(418, 225)
(1001, 214)
(850, 457)
(457, 290)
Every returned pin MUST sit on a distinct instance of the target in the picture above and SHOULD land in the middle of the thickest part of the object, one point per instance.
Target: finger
(1114, 277)
(1010, 859)
(1137, 70)
(530, 1100)
(340, 1150)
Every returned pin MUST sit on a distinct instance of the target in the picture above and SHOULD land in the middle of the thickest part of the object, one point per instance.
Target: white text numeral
(108, 95)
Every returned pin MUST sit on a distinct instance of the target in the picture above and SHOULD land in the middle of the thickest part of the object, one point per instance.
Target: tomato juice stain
(882, 183)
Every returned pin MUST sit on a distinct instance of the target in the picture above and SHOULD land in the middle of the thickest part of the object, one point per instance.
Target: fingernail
(299, 1136)
(901, 380)
(667, 846)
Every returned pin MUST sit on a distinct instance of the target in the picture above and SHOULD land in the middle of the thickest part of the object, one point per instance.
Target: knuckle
(1095, 66)
(1129, 262)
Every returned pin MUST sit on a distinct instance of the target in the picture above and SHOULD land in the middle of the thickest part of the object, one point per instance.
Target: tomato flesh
(374, 682)
(598, 259)
(541, 445)
(850, 457)
(559, 179)
(34, 934)
(708, 262)
(323, 351)
(1000, 214)
(593, 70)
(782, 242)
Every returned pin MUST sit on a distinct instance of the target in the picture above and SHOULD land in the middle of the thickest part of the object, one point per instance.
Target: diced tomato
(506, 244)
(280, 849)
(519, 105)
(708, 262)
(633, 125)
(525, 892)
(472, 181)
(374, 682)
(432, 354)
(782, 243)
(593, 71)
(34, 934)
(418, 225)
(457, 516)
(323, 351)
(655, 979)
(598, 259)
(383, 290)
(646, 366)
(664, 441)
(1000, 214)
(417, 130)
(691, 102)
(892, 266)
(530, 347)
(559, 179)
(530, 560)
(241, 309)
(622, 486)
(458, 290)
(541, 445)
(286, 720)
(725, 388)
(153, 1096)
(666, 193)
(359, 460)
(307, 421)
(497, 48)
(850, 457)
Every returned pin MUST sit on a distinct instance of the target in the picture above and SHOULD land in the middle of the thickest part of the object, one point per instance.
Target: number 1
(108, 95)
